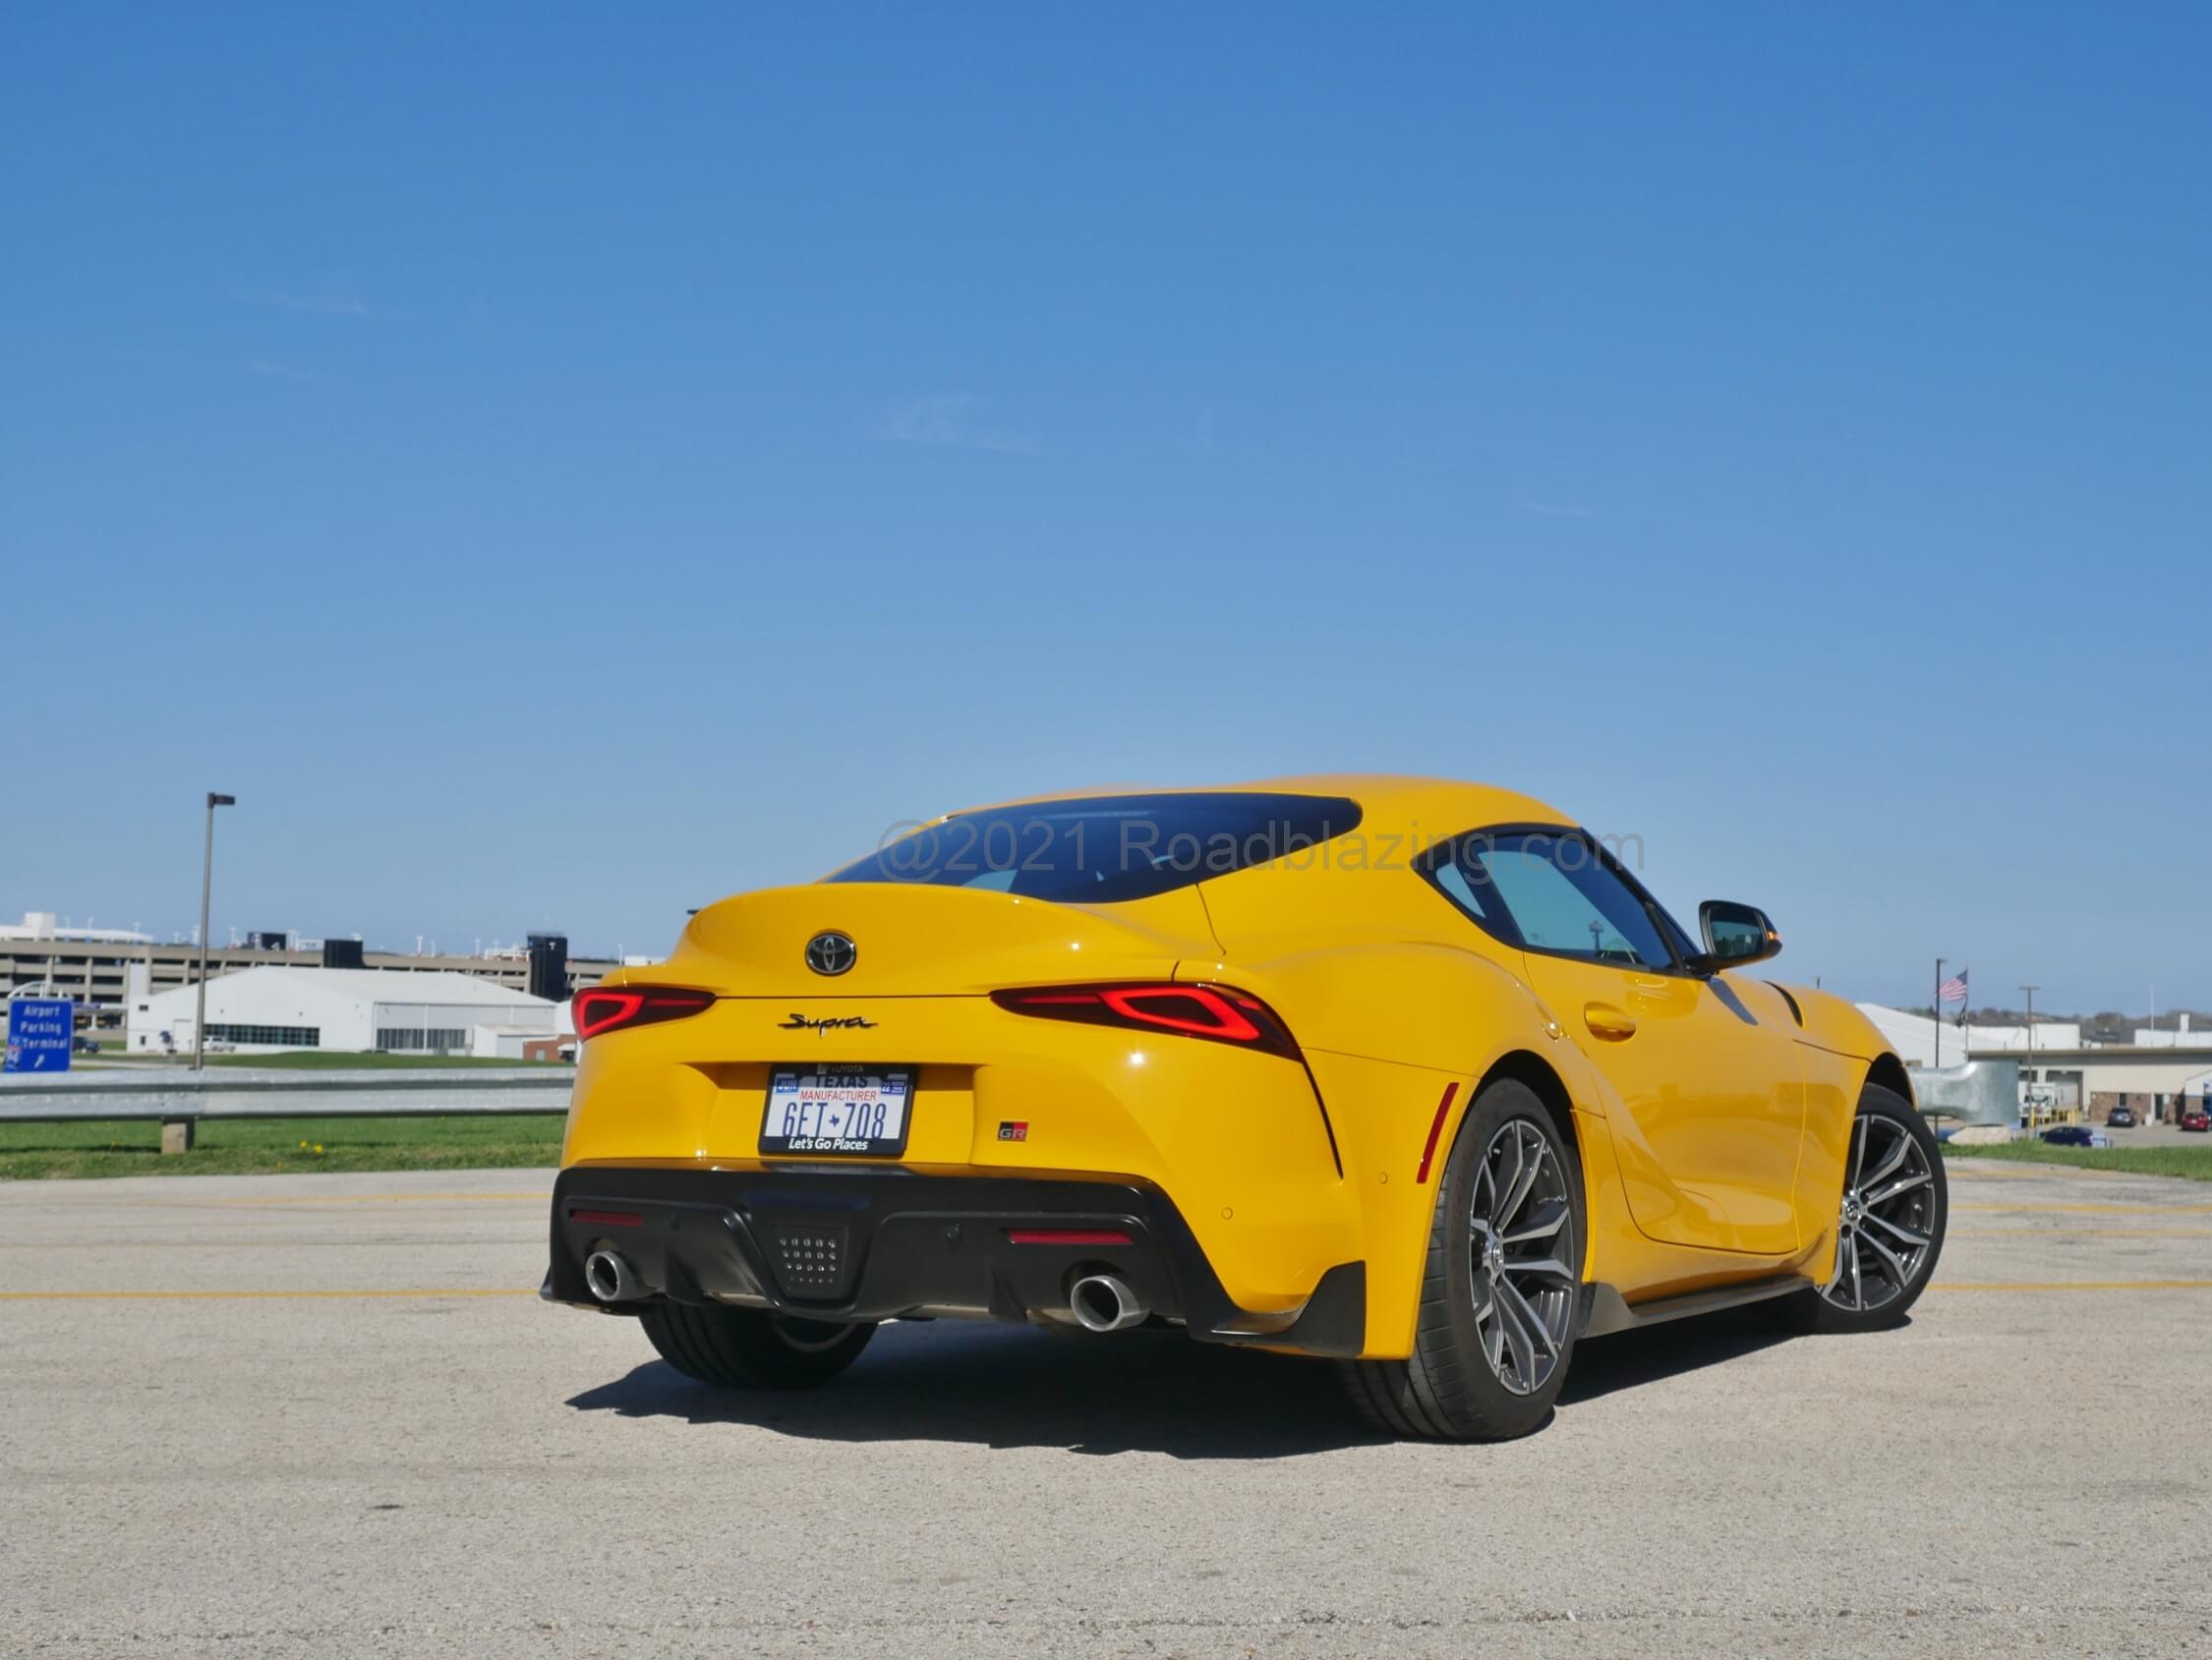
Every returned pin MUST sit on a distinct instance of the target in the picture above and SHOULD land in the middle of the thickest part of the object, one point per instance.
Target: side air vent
(1796, 1013)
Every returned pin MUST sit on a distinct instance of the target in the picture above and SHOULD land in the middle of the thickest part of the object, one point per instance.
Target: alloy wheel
(1522, 1257)
(1884, 1231)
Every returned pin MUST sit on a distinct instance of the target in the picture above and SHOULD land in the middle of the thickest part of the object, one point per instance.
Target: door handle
(1607, 1022)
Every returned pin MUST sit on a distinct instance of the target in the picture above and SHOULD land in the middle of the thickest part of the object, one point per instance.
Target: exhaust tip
(1103, 1303)
(611, 1280)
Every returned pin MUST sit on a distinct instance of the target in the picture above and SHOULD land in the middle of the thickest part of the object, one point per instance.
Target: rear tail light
(1221, 1013)
(610, 1009)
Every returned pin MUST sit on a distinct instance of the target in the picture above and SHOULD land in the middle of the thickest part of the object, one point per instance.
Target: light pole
(207, 884)
(2029, 991)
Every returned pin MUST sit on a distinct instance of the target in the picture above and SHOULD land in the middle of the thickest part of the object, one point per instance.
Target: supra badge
(825, 1022)
(1014, 1130)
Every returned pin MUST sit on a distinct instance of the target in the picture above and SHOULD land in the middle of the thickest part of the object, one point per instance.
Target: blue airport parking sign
(39, 1031)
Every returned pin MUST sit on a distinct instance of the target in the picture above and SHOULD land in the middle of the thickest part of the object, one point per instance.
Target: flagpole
(1939, 1013)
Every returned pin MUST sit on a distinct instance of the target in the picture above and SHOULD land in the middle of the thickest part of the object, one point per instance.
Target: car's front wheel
(1500, 1299)
(750, 1347)
(1890, 1223)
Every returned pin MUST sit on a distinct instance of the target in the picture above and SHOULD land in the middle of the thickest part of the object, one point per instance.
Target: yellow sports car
(1410, 1074)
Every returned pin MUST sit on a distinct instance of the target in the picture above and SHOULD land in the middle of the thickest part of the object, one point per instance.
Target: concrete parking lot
(326, 1416)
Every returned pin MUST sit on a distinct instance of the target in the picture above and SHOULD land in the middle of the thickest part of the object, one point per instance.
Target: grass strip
(2193, 1163)
(258, 1146)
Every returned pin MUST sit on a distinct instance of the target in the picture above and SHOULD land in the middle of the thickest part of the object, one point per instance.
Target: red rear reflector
(1194, 1010)
(1066, 1236)
(607, 1218)
(610, 1009)
(1435, 1128)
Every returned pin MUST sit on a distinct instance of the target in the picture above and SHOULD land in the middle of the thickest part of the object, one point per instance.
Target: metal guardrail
(179, 1094)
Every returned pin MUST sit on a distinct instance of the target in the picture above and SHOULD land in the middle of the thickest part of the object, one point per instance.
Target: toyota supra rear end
(1255, 1063)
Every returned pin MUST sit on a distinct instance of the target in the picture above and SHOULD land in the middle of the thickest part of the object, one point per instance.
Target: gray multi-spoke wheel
(1882, 1233)
(1502, 1289)
(1890, 1221)
(1521, 1256)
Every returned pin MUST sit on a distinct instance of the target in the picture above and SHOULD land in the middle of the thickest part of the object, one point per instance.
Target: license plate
(825, 1107)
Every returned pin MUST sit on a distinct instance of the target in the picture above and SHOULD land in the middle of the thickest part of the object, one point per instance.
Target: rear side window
(1107, 848)
(1551, 891)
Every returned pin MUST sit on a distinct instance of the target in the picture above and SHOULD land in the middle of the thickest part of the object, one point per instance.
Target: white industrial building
(2157, 1037)
(1918, 1042)
(2151, 1077)
(262, 1011)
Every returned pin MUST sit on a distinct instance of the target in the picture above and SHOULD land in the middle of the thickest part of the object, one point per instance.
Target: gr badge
(1014, 1130)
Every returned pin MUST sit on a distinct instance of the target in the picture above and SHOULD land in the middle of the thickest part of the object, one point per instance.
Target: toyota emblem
(831, 953)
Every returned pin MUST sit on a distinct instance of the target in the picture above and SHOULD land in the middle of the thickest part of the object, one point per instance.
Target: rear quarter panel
(1394, 996)
(1395, 999)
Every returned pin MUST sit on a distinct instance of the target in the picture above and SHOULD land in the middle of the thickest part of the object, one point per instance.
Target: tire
(751, 1349)
(1470, 1377)
(1880, 1271)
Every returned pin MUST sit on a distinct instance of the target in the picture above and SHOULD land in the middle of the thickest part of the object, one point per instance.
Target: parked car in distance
(2196, 1119)
(81, 1044)
(2069, 1135)
(2123, 1118)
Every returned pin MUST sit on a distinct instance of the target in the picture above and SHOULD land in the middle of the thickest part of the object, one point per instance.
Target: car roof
(1390, 801)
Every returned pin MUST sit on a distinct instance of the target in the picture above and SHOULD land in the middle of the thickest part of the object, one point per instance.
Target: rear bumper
(851, 1242)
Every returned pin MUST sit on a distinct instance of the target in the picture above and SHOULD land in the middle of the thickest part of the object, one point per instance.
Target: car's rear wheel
(1500, 1299)
(752, 1348)
(1890, 1223)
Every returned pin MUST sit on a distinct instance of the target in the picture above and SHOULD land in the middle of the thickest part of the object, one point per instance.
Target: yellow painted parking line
(2061, 1286)
(237, 1297)
(533, 1238)
(2026, 1233)
(1957, 1170)
(2094, 1208)
(545, 1197)
(524, 1292)
(1970, 1170)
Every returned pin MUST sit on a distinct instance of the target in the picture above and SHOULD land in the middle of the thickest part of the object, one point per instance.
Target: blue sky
(558, 465)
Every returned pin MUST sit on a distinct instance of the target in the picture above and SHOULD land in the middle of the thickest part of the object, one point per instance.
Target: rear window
(1107, 848)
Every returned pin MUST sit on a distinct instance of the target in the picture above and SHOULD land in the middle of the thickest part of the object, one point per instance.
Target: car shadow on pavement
(1004, 1387)
(1603, 1366)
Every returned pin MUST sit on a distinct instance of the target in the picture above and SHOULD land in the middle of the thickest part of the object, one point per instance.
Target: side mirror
(1735, 935)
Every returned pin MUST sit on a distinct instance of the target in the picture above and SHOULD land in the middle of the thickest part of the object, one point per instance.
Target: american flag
(1953, 990)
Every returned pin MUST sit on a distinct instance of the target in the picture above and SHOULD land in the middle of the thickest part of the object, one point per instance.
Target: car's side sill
(1609, 1312)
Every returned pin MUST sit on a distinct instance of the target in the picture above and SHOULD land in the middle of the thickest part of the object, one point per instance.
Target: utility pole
(1937, 1013)
(206, 885)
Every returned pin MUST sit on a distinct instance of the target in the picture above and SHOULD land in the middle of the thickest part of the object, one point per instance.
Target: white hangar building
(354, 1011)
